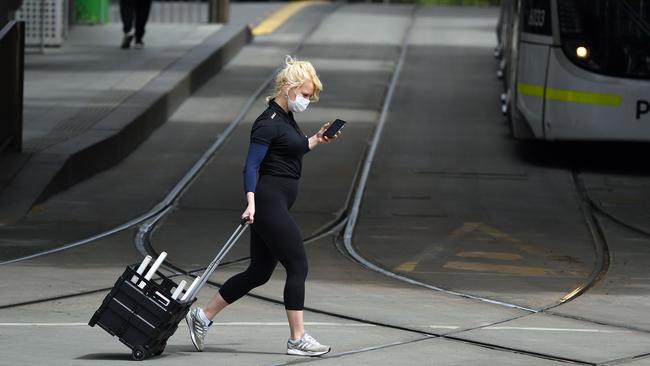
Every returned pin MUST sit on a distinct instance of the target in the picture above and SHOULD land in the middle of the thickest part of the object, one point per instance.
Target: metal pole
(212, 11)
(17, 144)
(224, 11)
(42, 26)
(218, 11)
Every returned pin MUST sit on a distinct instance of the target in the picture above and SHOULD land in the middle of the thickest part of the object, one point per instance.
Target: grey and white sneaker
(198, 329)
(306, 346)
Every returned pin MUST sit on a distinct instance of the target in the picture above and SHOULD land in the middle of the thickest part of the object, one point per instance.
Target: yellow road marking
(570, 96)
(493, 234)
(278, 17)
(470, 227)
(498, 268)
(406, 266)
(467, 228)
(490, 255)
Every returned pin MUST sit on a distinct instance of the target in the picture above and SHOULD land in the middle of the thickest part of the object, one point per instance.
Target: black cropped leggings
(274, 237)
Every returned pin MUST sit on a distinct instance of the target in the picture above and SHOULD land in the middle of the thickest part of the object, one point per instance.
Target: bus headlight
(582, 52)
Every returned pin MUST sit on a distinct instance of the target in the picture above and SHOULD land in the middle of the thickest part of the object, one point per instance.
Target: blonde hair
(293, 74)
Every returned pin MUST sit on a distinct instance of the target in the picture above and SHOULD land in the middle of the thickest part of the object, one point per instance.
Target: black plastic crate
(143, 319)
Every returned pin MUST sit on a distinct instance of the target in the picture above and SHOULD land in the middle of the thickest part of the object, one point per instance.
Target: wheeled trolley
(144, 313)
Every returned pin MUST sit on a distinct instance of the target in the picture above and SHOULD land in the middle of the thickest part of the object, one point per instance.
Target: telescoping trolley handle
(200, 281)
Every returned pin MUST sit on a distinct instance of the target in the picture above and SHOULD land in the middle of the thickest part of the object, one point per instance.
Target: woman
(276, 148)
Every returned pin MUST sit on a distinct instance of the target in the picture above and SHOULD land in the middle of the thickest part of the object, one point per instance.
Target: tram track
(601, 248)
(614, 218)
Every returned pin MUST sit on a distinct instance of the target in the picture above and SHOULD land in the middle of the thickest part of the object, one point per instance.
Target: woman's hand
(249, 214)
(320, 138)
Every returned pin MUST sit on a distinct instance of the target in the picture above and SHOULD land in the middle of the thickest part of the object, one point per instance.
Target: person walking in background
(130, 11)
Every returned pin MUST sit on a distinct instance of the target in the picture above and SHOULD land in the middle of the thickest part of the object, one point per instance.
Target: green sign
(91, 11)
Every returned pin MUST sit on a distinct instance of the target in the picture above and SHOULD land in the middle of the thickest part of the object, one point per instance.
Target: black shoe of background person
(139, 44)
(126, 41)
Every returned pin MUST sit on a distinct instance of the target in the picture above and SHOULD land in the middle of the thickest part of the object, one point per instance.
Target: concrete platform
(89, 103)
(565, 338)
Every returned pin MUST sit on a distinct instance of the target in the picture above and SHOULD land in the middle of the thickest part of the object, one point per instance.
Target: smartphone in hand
(335, 127)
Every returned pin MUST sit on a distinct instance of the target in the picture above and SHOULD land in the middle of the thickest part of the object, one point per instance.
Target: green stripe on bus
(583, 97)
(531, 90)
(571, 96)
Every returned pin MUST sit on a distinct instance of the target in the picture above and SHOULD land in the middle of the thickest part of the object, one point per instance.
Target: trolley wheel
(139, 353)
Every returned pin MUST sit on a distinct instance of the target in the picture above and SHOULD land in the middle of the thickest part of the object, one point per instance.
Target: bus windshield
(610, 37)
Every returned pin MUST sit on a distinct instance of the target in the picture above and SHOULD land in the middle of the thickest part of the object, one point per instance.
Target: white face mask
(298, 105)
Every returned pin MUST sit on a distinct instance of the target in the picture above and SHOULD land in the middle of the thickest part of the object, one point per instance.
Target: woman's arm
(256, 153)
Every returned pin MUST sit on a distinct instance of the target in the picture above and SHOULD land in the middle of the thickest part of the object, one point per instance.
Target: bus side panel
(531, 77)
(581, 105)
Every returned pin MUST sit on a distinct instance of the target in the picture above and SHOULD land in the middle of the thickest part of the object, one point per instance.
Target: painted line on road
(406, 266)
(490, 274)
(543, 329)
(492, 232)
(498, 268)
(324, 324)
(280, 16)
(504, 256)
(236, 324)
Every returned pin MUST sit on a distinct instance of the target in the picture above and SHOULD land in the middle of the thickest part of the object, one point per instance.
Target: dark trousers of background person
(137, 10)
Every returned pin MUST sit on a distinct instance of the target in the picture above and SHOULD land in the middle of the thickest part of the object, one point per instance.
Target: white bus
(576, 69)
